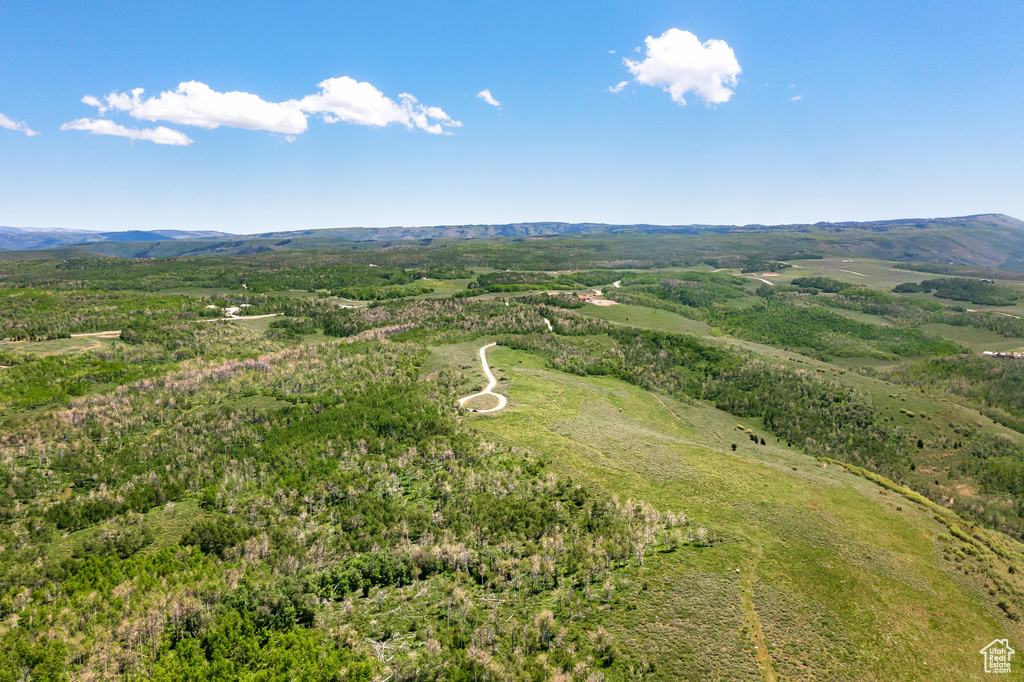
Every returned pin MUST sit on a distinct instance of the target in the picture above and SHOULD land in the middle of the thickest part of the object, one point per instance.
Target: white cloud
(159, 135)
(618, 88)
(485, 95)
(197, 104)
(680, 63)
(16, 125)
(796, 98)
(346, 99)
(94, 102)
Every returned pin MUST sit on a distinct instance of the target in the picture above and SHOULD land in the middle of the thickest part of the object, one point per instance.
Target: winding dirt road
(488, 390)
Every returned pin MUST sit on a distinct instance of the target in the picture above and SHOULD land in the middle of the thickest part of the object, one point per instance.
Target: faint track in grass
(658, 398)
(764, 658)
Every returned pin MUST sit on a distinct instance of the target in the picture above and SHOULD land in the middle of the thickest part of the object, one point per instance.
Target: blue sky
(827, 111)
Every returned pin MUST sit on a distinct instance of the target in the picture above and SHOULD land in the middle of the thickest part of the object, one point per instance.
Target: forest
(290, 490)
(978, 291)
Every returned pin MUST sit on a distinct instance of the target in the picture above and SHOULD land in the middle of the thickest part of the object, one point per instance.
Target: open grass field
(978, 340)
(443, 288)
(260, 325)
(882, 275)
(647, 318)
(841, 578)
(877, 274)
(75, 344)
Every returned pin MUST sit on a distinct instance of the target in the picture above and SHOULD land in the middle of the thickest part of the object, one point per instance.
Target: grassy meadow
(835, 571)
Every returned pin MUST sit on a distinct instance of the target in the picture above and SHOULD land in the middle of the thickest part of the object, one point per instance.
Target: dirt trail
(618, 284)
(111, 333)
(764, 658)
(488, 390)
(658, 398)
(241, 317)
(851, 272)
(96, 338)
(766, 281)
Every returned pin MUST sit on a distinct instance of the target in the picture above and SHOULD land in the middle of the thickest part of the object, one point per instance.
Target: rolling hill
(988, 240)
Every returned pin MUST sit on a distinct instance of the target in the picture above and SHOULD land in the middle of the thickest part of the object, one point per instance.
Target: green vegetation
(826, 284)
(55, 379)
(686, 485)
(695, 289)
(991, 385)
(975, 291)
(827, 333)
(962, 270)
(382, 293)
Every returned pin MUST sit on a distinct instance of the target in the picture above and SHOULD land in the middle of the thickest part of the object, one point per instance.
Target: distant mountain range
(32, 238)
(988, 240)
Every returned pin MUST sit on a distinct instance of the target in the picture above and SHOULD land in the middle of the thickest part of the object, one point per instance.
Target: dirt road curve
(488, 390)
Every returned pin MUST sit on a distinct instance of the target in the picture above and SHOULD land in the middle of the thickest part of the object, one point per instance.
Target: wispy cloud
(19, 126)
(618, 88)
(486, 96)
(796, 98)
(681, 63)
(102, 126)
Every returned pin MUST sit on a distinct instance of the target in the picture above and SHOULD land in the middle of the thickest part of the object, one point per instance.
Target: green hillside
(988, 241)
(720, 463)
